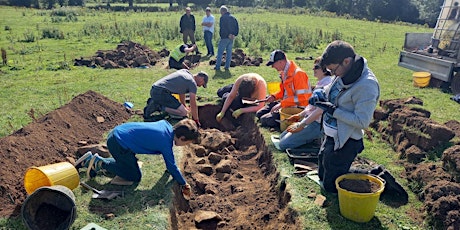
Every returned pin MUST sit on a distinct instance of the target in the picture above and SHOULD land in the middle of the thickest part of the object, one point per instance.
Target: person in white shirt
(208, 29)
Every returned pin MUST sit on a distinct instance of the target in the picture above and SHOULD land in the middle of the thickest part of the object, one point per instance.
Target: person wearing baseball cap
(180, 82)
(295, 89)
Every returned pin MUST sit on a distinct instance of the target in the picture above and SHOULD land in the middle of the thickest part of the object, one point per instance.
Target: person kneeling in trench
(127, 139)
(250, 85)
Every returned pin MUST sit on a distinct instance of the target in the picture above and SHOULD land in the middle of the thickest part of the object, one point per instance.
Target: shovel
(250, 101)
(103, 194)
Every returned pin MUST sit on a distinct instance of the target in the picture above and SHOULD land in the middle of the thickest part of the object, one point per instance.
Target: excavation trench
(234, 181)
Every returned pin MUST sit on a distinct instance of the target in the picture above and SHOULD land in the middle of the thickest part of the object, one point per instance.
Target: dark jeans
(332, 164)
(123, 163)
(173, 64)
(267, 118)
(159, 99)
(208, 42)
(223, 93)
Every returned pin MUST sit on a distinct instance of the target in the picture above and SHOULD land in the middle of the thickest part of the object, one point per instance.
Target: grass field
(41, 46)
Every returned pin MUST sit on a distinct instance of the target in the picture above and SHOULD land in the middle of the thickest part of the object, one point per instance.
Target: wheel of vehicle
(455, 84)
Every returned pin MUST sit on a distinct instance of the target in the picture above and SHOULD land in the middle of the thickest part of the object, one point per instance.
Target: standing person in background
(348, 104)
(177, 56)
(250, 85)
(309, 127)
(295, 90)
(208, 29)
(228, 30)
(188, 27)
(179, 82)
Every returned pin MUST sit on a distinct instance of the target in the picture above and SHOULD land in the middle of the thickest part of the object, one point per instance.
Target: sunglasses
(317, 67)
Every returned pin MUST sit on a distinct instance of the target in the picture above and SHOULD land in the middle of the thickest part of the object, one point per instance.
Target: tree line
(411, 11)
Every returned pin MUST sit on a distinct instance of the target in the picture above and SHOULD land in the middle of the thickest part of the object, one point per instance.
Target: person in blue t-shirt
(128, 139)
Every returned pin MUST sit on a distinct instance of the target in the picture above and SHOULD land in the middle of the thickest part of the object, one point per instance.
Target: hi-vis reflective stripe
(303, 91)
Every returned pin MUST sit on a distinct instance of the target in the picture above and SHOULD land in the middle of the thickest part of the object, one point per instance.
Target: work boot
(84, 160)
(95, 164)
(150, 108)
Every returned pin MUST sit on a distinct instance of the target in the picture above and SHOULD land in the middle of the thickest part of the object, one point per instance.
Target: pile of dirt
(127, 55)
(53, 138)
(234, 180)
(239, 58)
(406, 125)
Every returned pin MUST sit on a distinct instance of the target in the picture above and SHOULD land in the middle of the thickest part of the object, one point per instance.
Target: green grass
(40, 75)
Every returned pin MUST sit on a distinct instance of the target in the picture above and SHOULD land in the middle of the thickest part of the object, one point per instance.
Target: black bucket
(49, 207)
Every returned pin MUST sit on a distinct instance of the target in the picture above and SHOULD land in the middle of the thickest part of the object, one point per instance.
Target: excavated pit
(233, 178)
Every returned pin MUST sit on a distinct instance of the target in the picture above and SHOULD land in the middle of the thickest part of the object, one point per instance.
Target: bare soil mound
(51, 139)
(127, 55)
(406, 125)
(233, 179)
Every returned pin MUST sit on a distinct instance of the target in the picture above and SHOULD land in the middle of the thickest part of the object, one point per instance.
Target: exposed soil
(231, 171)
(134, 55)
(51, 139)
(234, 183)
(432, 169)
(233, 179)
(359, 186)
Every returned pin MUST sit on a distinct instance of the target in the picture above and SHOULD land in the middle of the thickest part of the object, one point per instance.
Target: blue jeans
(208, 41)
(227, 45)
(123, 163)
(305, 136)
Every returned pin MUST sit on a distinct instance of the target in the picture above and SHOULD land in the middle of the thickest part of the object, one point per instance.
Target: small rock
(320, 201)
(201, 216)
(100, 119)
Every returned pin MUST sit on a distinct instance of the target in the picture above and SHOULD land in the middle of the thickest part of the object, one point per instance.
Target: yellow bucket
(273, 87)
(421, 79)
(358, 207)
(63, 173)
(285, 113)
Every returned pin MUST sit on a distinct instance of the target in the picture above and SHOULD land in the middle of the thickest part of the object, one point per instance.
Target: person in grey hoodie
(348, 104)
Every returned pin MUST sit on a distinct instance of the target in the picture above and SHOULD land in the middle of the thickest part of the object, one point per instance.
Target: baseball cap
(208, 8)
(336, 52)
(205, 77)
(276, 56)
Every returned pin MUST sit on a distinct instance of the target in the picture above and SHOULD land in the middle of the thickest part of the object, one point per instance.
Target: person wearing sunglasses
(306, 126)
(348, 105)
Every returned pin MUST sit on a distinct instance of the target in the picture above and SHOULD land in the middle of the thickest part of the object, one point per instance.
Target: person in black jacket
(228, 31)
(187, 27)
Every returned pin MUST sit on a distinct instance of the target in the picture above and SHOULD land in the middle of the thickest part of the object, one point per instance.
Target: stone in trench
(214, 158)
(206, 169)
(202, 216)
(224, 166)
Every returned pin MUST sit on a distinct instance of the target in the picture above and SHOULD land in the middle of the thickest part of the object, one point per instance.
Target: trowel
(103, 194)
(251, 101)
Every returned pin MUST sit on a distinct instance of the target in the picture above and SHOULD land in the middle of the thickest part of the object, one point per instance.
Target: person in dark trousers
(177, 56)
(228, 30)
(180, 82)
(348, 105)
(128, 139)
(188, 27)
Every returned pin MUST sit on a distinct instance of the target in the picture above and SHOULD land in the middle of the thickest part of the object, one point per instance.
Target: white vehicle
(437, 52)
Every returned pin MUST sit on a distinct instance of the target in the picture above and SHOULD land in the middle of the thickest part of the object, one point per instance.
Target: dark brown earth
(429, 154)
(359, 186)
(129, 54)
(52, 139)
(234, 181)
